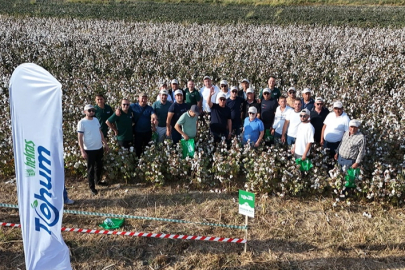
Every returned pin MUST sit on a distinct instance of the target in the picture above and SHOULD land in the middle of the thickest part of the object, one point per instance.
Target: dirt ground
(289, 233)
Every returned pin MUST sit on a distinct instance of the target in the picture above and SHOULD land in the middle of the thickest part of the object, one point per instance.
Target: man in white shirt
(91, 141)
(334, 126)
(291, 123)
(279, 119)
(305, 136)
(205, 93)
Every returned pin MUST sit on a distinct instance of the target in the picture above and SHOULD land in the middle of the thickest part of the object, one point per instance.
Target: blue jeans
(290, 140)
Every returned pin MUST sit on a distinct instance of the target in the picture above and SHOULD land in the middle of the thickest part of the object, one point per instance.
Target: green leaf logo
(34, 204)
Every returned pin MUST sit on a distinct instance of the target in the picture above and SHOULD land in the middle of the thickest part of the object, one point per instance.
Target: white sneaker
(69, 201)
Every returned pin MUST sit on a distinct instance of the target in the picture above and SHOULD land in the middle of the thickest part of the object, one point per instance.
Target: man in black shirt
(318, 115)
(268, 109)
(221, 123)
(234, 102)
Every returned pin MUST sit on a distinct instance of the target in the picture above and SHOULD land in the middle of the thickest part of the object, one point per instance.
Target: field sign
(246, 203)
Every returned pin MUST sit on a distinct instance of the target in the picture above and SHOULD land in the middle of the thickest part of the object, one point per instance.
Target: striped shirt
(352, 147)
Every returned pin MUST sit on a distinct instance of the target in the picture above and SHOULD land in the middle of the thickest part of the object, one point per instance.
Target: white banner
(36, 119)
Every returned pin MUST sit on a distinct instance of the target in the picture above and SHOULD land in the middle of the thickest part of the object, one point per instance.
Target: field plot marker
(247, 208)
(143, 234)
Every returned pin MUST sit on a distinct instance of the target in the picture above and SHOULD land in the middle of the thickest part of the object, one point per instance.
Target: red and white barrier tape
(141, 234)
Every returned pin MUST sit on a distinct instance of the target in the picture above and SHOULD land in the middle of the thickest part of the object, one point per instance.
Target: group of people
(296, 122)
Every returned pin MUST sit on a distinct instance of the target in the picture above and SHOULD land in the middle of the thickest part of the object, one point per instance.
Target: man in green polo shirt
(193, 97)
(187, 123)
(103, 112)
(122, 125)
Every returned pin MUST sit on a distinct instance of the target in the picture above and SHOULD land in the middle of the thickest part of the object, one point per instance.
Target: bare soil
(289, 233)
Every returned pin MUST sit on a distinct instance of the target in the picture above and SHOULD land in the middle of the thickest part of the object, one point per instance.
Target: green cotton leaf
(34, 204)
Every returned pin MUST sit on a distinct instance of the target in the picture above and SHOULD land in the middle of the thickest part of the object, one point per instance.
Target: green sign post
(247, 208)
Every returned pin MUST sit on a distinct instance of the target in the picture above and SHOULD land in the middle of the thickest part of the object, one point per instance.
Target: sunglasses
(338, 108)
(222, 99)
(91, 110)
(234, 91)
(319, 104)
(125, 104)
(251, 113)
(223, 86)
(303, 115)
(266, 93)
(291, 92)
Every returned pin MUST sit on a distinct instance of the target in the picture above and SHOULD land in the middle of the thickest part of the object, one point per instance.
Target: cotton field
(364, 68)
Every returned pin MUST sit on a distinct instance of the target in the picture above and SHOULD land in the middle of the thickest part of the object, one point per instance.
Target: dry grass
(285, 234)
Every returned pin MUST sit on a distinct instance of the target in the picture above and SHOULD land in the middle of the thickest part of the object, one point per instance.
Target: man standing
(307, 101)
(305, 136)
(144, 118)
(91, 141)
(245, 85)
(187, 124)
(351, 149)
(205, 92)
(121, 123)
(279, 119)
(103, 112)
(334, 126)
(249, 102)
(175, 111)
(235, 102)
(274, 91)
(193, 97)
(291, 96)
(221, 123)
(163, 86)
(161, 109)
(268, 108)
(253, 129)
(318, 115)
(291, 123)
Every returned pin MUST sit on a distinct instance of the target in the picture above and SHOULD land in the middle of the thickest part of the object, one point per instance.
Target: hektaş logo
(47, 214)
(29, 153)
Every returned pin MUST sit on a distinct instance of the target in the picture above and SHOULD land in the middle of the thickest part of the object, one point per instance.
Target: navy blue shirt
(268, 111)
(317, 122)
(141, 117)
(236, 108)
(219, 118)
(310, 105)
(178, 110)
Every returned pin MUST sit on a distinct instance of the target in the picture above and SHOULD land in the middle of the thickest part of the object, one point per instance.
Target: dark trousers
(176, 137)
(332, 146)
(141, 140)
(94, 166)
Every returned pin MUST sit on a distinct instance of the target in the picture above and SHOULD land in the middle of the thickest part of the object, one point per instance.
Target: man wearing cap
(268, 108)
(253, 129)
(291, 124)
(351, 149)
(91, 142)
(163, 86)
(279, 119)
(103, 112)
(318, 115)
(305, 136)
(121, 123)
(274, 91)
(205, 93)
(245, 85)
(193, 97)
(334, 126)
(187, 124)
(221, 123)
(291, 96)
(235, 103)
(249, 102)
(307, 101)
(175, 111)
(161, 108)
(144, 118)
(224, 89)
